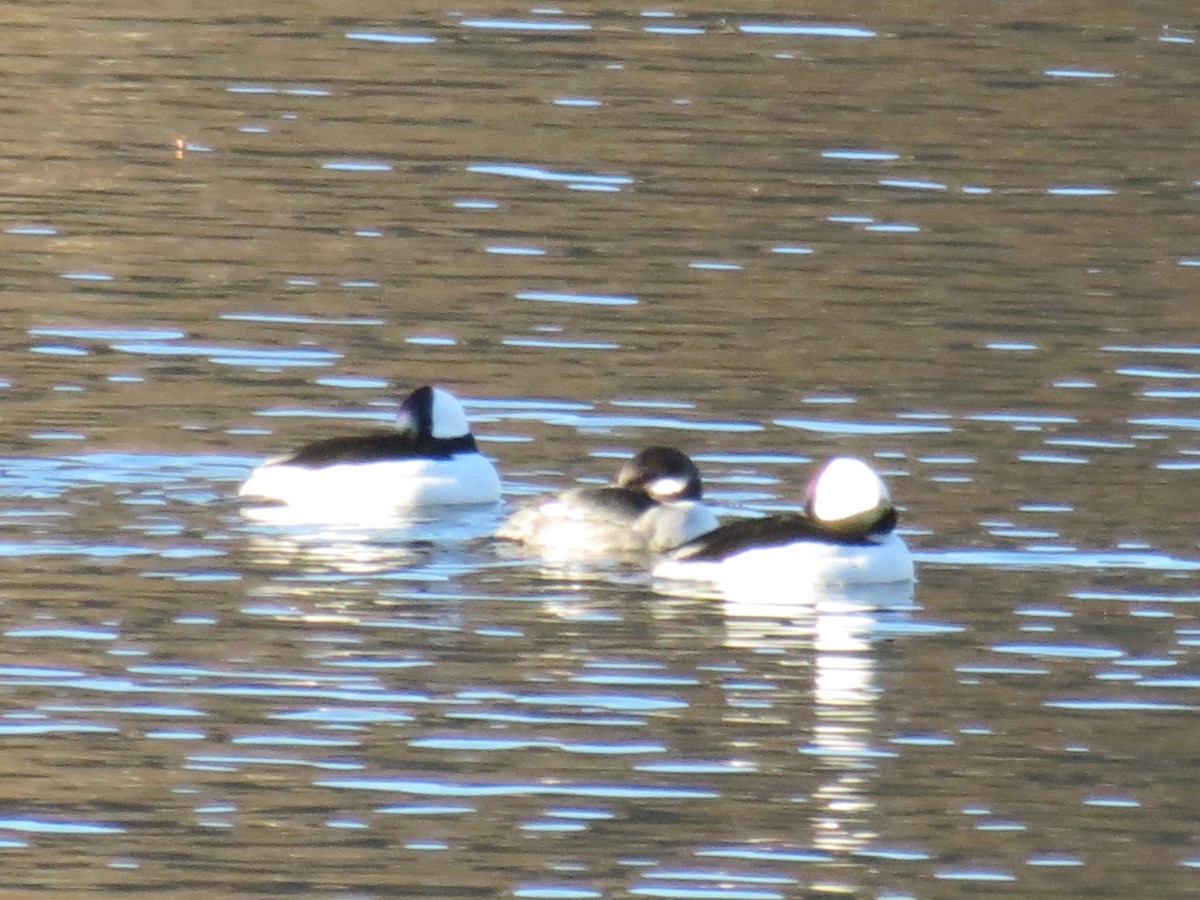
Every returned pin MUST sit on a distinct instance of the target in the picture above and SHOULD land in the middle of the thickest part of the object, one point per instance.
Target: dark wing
(612, 501)
(375, 447)
(771, 531)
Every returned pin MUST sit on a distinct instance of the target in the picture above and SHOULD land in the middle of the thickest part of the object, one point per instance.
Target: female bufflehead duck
(429, 459)
(844, 536)
(654, 506)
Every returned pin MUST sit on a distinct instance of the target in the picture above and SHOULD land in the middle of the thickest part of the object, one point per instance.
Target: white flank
(799, 566)
(345, 488)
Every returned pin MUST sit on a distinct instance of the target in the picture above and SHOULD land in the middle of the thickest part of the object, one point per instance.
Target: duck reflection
(842, 627)
(430, 543)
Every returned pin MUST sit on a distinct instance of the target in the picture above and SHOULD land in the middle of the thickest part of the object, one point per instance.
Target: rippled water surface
(960, 243)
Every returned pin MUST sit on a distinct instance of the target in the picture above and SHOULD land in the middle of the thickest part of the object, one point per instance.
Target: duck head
(663, 473)
(848, 497)
(432, 413)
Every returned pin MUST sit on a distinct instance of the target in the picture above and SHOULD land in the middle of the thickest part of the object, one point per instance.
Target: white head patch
(666, 487)
(446, 416)
(846, 487)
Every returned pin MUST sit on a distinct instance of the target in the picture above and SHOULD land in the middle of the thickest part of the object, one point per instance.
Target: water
(959, 246)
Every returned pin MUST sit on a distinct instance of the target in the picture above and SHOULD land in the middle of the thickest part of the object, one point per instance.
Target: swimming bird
(656, 504)
(428, 459)
(844, 536)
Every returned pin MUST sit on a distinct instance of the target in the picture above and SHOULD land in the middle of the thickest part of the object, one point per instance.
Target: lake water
(961, 243)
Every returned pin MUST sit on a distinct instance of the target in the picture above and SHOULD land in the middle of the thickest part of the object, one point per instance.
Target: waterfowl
(655, 504)
(428, 459)
(845, 535)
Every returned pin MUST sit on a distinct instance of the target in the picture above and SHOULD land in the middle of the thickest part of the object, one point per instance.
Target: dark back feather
(378, 446)
(615, 501)
(775, 531)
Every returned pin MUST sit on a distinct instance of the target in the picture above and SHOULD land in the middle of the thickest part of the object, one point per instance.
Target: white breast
(670, 524)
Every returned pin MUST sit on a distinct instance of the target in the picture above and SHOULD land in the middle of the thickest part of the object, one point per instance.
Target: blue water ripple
(538, 891)
(59, 826)
(805, 30)
(537, 173)
(558, 25)
(440, 787)
(384, 37)
(574, 297)
(767, 853)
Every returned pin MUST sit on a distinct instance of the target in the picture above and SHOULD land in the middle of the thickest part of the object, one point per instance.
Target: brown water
(962, 245)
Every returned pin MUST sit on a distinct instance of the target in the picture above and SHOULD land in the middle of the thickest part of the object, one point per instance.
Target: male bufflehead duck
(844, 536)
(654, 506)
(428, 459)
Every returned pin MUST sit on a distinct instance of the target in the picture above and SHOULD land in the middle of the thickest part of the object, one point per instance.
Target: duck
(845, 536)
(655, 505)
(429, 459)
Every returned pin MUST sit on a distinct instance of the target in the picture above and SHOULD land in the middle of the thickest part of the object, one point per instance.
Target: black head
(663, 473)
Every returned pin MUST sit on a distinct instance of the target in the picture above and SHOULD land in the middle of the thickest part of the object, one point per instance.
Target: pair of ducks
(845, 535)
